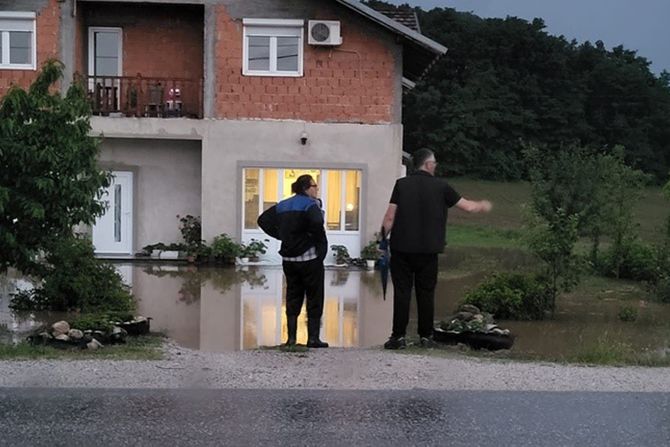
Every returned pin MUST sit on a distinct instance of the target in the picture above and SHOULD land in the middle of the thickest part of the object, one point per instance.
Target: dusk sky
(642, 25)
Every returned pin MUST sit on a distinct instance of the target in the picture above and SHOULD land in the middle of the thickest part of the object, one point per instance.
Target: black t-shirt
(421, 217)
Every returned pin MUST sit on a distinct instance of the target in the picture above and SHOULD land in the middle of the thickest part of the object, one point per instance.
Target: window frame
(273, 28)
(6, 18)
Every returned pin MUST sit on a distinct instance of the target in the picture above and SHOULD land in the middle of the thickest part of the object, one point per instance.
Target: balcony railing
(144, 97)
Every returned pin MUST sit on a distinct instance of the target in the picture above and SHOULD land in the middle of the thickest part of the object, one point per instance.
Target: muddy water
(224, 309)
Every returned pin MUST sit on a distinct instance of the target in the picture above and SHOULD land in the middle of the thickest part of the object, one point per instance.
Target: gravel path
(333, 368)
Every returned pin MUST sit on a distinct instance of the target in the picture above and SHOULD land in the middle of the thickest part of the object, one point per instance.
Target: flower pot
(169, 254)
(370, 263)
(244, 260)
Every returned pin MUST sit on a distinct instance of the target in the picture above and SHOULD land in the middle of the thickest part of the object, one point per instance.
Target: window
(272, 47)
(17, 40)
(340, 191)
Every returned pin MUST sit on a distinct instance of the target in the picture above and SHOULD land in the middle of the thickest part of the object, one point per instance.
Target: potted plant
(253, 249)
(371, 254)
(341, 255)
(224, 249)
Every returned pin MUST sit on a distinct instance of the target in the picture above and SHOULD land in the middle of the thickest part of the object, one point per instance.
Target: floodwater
(227, 309)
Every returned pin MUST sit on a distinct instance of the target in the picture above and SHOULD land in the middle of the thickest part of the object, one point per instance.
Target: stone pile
(62, 335)
(470, 319)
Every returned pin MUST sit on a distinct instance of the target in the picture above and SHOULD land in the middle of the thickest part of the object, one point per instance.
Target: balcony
(140, 96)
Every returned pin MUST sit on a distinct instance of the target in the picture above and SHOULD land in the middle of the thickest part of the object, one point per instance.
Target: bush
(661, 289)
(627, 313)
(190, 228)
(75, 280)
(225, 249)
(635, 260)
(512, 297)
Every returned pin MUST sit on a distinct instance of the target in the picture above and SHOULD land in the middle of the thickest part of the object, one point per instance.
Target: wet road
(48, 417)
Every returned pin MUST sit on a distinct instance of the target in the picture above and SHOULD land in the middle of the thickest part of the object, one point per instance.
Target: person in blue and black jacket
(298, 223)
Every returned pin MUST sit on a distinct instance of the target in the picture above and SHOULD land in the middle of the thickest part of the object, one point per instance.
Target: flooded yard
(227, 309)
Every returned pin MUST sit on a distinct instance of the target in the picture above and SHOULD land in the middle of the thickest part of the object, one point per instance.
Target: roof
(405, 17)
(419, 52)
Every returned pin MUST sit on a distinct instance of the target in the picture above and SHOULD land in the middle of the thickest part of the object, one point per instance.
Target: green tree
(506, 82)
(562, 185)
(49, 179)
(620, 187)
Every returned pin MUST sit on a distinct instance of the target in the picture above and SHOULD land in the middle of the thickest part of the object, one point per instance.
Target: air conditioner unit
(324, 32)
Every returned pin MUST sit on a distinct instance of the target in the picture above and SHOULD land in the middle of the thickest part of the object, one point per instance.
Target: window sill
(278, 74)
(17, 67)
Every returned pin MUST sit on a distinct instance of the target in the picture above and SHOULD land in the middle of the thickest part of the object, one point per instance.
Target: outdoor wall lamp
(303, 138)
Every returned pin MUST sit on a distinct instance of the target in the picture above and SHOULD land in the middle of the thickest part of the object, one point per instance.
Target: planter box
(476, 340)
(168, 254)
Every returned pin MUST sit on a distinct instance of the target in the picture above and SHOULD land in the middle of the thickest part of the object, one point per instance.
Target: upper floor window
(17, 40)
(272, 47)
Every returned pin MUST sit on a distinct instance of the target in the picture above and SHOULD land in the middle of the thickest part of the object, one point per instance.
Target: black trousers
(304, 279)
(418, 270)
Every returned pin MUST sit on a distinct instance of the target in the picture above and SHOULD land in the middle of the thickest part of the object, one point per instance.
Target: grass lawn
(146, 347)
(509, 200)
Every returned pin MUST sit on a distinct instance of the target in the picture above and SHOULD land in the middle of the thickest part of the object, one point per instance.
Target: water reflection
(223, 309)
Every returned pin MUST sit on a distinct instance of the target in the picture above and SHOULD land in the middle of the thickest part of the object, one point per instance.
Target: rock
(60, 327)
(94, 344)
(45, 335)
(464, 316)
(118, 335)
(75, 334)
(469, 308)
(62, 337)
(479, 318)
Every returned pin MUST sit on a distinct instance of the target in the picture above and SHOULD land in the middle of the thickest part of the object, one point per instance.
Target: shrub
(225, 249)
(371, 251)
(190, 229)
(627, 313)
(634, 260)
(76, 280)
(341, 254)
(512, 297)
(661, 289)
(254, 248)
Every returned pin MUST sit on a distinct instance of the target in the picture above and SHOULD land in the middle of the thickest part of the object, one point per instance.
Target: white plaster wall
(166, 179)
(227, 145)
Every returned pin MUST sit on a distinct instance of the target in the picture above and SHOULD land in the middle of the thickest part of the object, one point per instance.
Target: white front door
(113, 231)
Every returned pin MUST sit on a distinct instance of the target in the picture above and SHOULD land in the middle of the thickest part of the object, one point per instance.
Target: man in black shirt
(417, 213)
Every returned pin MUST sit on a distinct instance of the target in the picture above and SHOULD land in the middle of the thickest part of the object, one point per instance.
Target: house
(213, 108)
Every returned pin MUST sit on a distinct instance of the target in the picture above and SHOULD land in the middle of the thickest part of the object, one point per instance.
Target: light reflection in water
(215, 309)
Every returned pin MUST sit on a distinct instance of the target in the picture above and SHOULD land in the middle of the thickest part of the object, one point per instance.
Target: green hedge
(512, 296)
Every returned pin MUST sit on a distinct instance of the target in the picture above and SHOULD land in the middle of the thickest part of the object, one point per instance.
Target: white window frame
(273, 28)
(9, 21)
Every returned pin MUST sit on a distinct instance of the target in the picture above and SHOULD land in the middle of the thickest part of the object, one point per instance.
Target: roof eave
(398, 28)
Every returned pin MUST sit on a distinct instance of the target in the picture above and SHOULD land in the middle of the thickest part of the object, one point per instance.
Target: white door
(113, 231)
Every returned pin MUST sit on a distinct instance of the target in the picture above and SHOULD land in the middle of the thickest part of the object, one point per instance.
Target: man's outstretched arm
(474, 206)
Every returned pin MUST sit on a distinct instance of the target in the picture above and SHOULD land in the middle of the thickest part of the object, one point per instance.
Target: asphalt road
(118, 417)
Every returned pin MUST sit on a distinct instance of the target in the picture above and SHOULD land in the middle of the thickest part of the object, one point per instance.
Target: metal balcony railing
(144, 97)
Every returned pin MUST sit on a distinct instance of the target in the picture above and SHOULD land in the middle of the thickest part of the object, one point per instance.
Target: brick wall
(48, 31)
(158, 40)
(354, 82)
